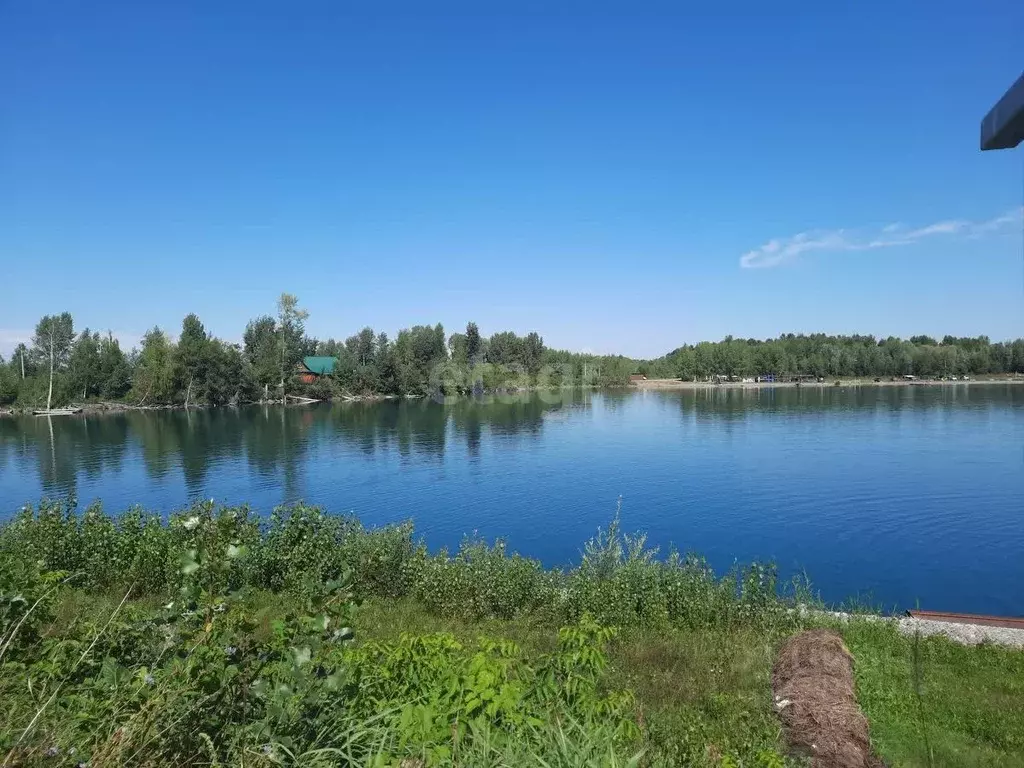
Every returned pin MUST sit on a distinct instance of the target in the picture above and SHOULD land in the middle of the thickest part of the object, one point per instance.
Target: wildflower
(230, 650)
(52, 751)
(267, 749)
(149, 679)
(190, 523)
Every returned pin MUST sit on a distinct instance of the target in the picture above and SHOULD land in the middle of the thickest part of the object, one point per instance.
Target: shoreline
(827, 384)
(255, 527)
(477, 619)
(647, 384)
(114, 407)
(291, 400)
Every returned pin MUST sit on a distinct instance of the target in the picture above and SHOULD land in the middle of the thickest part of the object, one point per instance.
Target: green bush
(482, 580)
(191, 680)
(439, 696)
(214, 637)
(208, 679)
(620, 580)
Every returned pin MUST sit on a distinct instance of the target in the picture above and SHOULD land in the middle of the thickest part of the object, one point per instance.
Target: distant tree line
(60, 367)
(849, 356)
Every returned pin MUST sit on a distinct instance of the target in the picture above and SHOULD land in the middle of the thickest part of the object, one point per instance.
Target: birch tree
(291, 330)
(52, 343)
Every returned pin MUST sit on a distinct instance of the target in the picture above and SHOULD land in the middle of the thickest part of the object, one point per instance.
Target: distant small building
(909, 377)
(634, 377)
(312, 368)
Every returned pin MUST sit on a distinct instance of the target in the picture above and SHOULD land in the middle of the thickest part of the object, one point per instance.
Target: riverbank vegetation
(195, 368)
(213, 637)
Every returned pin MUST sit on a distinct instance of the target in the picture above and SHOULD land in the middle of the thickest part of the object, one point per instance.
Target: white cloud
(783, 250)
(941, 228)
(776, 252)
(1011, 217)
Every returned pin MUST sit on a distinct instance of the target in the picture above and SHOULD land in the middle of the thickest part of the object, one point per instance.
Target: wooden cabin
(312, 368)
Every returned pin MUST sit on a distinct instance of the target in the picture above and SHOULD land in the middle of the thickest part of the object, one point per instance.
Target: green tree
(192, 359)
(262, 351)
(438, 348)
(291, 334)
(1017, 356)
(856, 355)
(418, 350)
(730, 357)
(948, 362)
(474, 345)
(458, 348)
(115, 372)
(84, 365)
(533, 352)
(704, 360)
(358, 362)
(978, 360)
(387, 365)
(361, 347)
(227, 375)
(685, 363)
(154, 370)
(505, 348)
(8, 381)
(52, 343)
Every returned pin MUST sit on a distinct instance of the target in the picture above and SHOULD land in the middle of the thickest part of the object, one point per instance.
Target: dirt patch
(816, 701)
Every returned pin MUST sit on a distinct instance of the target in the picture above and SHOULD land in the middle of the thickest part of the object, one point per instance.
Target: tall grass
(214, 637)
(620, 581)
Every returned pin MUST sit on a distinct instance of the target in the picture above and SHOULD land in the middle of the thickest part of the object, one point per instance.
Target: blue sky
(620, 177)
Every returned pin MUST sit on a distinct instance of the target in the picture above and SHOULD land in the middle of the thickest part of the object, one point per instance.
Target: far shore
(829, 382)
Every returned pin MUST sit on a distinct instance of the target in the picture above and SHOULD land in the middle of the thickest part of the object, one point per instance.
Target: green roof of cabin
(320, 365)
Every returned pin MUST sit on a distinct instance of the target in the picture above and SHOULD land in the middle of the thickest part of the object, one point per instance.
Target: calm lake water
(908, 495)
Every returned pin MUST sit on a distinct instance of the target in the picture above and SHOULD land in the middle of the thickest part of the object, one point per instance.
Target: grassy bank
(213, 638)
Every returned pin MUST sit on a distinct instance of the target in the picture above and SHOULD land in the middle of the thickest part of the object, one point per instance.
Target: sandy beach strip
(829, 382)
